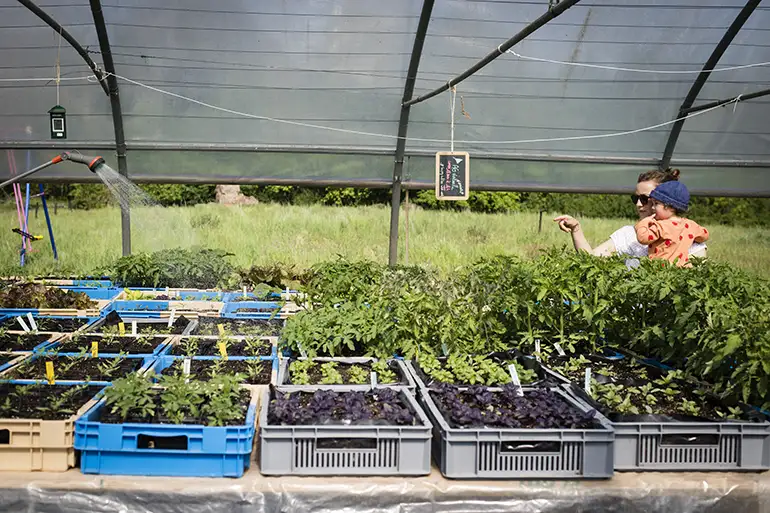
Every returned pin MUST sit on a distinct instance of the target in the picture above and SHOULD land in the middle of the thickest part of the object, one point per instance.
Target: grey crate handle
(689, 439)
(524, 447)
(337, 444)
(5, 436)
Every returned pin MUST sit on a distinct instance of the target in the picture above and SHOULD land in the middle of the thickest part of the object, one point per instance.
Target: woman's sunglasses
(640, 197)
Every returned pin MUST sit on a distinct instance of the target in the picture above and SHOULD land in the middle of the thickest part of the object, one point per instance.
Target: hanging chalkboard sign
(452, 175)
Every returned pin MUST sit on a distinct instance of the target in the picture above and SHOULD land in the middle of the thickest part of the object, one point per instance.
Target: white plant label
(587, 385)
(23, 324)
(537, 349)
(559, 349)
(133, 327)
(171, 317)
(444, 348)
(301, 350)
(515, 379)
(373, 377)
(32, 322)
(167, 292)
(186, 366)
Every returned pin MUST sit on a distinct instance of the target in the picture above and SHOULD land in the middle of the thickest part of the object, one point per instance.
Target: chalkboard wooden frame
(465, 178)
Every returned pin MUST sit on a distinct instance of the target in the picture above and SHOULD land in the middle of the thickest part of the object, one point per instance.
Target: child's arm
(701, 234)
(647, 231)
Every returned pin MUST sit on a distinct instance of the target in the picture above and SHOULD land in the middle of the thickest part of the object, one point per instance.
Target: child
(668, 235)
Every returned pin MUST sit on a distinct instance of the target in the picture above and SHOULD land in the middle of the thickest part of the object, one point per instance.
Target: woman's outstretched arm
(572, 226)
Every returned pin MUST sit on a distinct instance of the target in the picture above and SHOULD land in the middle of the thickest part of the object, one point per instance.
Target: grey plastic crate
(691, 446)
(511, 453)
(311, 451)
(406, 377)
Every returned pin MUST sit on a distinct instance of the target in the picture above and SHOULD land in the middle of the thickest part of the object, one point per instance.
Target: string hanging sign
(452, 167)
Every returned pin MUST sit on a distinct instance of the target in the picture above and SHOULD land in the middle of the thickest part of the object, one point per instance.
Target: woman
(623, 241)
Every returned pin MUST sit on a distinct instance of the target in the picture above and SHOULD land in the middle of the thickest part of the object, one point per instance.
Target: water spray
(93, 163)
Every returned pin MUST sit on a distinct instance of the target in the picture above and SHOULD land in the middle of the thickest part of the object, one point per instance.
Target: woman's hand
(568, 224)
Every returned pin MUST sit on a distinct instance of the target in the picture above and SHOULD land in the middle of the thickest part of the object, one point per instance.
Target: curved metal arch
(702, 77)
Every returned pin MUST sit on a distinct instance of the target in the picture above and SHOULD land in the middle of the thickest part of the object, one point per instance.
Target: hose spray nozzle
(92, 162)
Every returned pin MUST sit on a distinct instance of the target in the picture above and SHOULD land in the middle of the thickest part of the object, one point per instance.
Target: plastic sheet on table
(625, 493)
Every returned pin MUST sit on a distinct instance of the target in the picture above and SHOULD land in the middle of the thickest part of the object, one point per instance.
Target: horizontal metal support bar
(377, 183)
(739, 98)
(109, 147)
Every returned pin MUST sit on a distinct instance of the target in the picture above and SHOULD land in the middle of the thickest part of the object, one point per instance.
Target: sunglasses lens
(643, 198)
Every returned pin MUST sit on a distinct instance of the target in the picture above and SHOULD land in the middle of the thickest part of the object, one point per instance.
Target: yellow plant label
(221, 328)
(49, 373)
(121, 328)
(223, 349)
(95, 349)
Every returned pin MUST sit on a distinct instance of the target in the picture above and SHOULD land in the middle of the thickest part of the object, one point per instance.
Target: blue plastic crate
(230, 311)
(162, 349)
(141, 308)
(94, 292)
(199, 451)
(14, 357)
(232, 296)
(11, 323)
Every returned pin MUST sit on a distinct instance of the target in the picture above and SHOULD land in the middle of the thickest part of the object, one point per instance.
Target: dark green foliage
(180, 194)
(183, 268)
(276, 276)
(37, 295)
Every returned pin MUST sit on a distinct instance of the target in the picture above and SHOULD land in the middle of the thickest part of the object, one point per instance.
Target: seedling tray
(510, 453)
(182, 450)
(186, 308)
(32, 342)
(208, 325)
(139, 365)
(8, 360)
(50, 324)
(324, 450)
(403, 375)
(28, 445)
(110, 347)
(181, 325)
(236, 346)
(258, 310)
(201, 364)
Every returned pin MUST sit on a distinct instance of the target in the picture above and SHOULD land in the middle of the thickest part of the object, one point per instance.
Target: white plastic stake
(23, 324)
(373, 377)
(244, 292)
(301, 350)
(32, 322)
(537, 349)
(587, 385)
(167, 292)
(133, 327)
(444, 348)
(171, 317)
(515, 380)
(186, 366)
(559, 349)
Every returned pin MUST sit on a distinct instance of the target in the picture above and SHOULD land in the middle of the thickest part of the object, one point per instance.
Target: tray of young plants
(223, 346)
(183, 427)
(111, 325)
(517, 432)
(47, 324)
(75, 367)
(491, 369)
(248, 371)
(247, 327)
(356, 373)
(37, 424)
(382, 431)
(664, 421)
(32, 296)
(24, 342)
(110, 345)
(7, 360)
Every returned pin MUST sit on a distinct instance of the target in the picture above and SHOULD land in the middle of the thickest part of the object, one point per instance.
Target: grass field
(266, 233)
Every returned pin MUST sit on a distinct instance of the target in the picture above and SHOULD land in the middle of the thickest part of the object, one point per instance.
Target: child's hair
(659, 176)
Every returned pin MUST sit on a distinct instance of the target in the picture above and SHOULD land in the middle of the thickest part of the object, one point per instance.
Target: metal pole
(117, 115)
(703, 76)
(67, 37)
(403, 124)
(739, 98)
(500, 50)
(48, 222)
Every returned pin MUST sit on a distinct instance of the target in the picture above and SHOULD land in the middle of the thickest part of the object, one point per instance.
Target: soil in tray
(5, 358)
(251, 327)
(44, 402)
(315, 374)
(82, 369)
(108, 344)
(54, 324)
(210, 347)
(106, 416)
(257, 372)
(10, 342)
